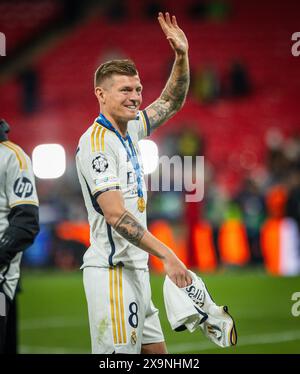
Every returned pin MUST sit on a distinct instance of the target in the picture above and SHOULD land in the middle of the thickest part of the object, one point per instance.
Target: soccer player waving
(122, 316)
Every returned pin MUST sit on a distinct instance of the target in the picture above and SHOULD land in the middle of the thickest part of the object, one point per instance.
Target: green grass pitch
(53, 313)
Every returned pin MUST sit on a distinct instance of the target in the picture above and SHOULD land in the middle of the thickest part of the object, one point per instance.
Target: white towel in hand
(181, 311)
(192, 307)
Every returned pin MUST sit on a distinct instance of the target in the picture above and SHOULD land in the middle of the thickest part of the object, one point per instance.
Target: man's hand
(177, 271)
(174, 94)
(174, 34)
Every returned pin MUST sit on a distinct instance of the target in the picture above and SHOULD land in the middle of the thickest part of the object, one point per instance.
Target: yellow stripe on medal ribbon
(112, 306)
(17, 151)
(144, 122)
(122, 305)
(135, 147)
(117, 305)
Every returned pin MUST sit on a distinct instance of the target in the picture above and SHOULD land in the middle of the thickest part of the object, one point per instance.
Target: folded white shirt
(193, 308)
(181, 311)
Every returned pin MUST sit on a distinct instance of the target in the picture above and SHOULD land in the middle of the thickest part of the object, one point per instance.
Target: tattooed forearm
(128, 227)
(173, 96)
(176, 90)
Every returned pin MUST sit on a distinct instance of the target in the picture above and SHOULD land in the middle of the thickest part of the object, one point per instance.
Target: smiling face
(120, 97)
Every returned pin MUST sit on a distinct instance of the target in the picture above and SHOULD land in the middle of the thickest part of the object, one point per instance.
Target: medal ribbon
(102, 120)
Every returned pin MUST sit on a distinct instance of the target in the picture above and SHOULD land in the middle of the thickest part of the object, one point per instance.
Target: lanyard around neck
(131, 153)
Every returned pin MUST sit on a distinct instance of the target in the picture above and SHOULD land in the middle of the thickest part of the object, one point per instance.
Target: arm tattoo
(128, 227)
(173, 96)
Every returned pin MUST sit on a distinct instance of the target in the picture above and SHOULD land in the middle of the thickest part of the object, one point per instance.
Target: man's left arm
(174, 94)
(21, 232)
(23, 218)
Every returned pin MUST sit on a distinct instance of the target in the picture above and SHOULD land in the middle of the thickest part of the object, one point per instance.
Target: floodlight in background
(49, 161)
(149, 152)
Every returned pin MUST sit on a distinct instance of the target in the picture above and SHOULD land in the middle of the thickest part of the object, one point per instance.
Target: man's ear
(100, 94)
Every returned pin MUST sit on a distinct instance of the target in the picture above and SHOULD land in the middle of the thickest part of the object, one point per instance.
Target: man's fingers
(180, 282)
(189, 280)
(174, 280)
(168, 19)
(161, 17)
(162, 23)
(165, 21)
(174, 21)
(186, 282)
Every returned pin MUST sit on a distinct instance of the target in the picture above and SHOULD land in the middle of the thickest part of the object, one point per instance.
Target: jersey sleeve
(20, 183)
(140, 125)
(99, 169)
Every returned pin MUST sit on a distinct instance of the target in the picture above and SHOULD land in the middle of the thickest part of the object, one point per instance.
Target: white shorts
(122, 316)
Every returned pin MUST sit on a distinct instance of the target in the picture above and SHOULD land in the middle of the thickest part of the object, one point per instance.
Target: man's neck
(120, 126)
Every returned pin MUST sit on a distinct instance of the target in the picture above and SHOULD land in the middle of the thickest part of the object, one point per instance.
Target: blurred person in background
(293, 179)
(252, 205)
(30, 90)
(19, 225)
(239, 81)
(206, 84)
(280, 239)
(293, 201)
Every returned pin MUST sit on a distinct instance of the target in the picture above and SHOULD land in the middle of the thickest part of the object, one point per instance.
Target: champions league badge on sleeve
(99, 164)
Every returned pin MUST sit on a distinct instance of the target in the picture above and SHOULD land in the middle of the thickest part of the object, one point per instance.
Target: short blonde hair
(109, 68)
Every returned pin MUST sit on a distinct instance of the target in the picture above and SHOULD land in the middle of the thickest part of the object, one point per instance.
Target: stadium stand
(234, 129)
(20, 20)
(66, 80)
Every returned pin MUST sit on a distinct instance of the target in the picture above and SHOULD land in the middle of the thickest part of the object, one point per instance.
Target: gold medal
(141, 204)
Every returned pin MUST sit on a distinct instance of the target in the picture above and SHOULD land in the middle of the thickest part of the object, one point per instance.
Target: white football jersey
(17, 186)
(103, 165)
